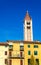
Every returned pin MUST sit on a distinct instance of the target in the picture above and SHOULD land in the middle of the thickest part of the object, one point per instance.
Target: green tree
(33, 61)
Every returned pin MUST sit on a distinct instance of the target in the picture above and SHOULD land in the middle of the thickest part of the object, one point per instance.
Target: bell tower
(28, 35)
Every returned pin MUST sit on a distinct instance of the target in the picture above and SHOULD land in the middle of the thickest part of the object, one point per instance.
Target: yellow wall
(32, 49)
(16, 46)
(16, 51)
(15, 61)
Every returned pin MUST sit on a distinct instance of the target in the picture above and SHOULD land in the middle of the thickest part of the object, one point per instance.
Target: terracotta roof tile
(3, 44)
(27, 17)
(21, 41)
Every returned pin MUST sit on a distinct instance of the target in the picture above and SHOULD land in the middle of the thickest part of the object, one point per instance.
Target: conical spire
(27, 17)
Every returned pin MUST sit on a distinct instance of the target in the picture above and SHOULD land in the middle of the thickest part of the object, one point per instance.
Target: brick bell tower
(28, 35)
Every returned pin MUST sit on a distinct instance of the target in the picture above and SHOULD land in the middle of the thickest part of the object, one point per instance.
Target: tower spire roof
(27, 17)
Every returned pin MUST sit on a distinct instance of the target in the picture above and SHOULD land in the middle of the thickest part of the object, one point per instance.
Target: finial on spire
(27, 17)
(27, 11)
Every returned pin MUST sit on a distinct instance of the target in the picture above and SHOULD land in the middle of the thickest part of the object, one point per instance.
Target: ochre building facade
(20, 52)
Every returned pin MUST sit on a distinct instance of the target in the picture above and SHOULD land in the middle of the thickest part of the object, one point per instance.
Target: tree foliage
(33, 61)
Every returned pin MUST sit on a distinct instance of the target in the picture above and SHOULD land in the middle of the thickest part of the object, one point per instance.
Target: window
(5, 52)
(21, 54)
(28, 27)
(35, 46)
(10, 46)
(37, 60)
(28, 46)
(21, 48)
(21, 62)
(28, 61)
(29, 52)
(10, 62)
(28, 23)
(35, 53)
(10, 54)
(5, 61)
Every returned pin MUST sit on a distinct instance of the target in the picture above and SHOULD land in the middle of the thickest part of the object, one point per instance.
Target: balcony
(16, 55)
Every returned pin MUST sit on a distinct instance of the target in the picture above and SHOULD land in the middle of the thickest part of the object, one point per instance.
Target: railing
(17, 54)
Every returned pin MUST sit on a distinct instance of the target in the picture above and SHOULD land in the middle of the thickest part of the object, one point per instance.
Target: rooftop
(27, 17)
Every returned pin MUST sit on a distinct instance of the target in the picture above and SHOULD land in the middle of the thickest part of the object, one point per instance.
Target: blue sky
(12, 13)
